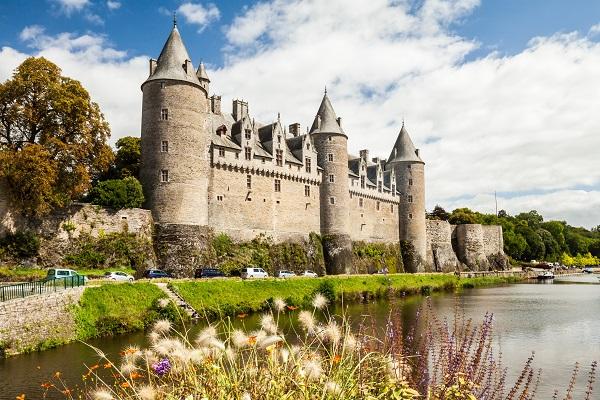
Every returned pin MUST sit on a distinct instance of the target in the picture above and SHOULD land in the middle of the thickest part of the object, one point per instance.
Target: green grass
(113, 309)
(230, 296)
(22, 274)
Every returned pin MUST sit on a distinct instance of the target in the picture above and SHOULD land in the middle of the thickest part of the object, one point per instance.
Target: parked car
(156, 273)
(56, 273)
(588, 270)
(285, 274)
(118, 276)
(253, 272)
(208, 273)
(310, 274)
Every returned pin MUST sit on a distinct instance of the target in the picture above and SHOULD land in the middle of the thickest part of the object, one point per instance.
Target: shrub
(118, 193)
(20, 244)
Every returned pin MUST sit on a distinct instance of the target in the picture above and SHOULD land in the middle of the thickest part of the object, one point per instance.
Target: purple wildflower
(162, 367)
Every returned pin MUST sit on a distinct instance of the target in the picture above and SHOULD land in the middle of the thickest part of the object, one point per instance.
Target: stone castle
(207, 170)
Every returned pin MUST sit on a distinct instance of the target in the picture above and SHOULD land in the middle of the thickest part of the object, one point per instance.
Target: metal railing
(21, 290)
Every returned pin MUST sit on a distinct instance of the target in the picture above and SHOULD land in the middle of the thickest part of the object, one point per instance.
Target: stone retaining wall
(38, 321)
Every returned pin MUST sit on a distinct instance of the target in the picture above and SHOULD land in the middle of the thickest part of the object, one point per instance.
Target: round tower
(331, 144)
(174, 144)
(409, 171)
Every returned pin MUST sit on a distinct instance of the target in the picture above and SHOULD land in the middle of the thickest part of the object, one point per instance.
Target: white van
(55, 273)
(253, 272)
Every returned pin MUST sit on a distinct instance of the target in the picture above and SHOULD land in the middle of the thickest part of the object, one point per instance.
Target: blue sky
(500, 95)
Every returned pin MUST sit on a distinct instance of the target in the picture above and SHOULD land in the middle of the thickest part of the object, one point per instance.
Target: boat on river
(545, 275)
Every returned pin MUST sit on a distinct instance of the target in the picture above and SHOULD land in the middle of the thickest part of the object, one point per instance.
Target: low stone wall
(37, 322)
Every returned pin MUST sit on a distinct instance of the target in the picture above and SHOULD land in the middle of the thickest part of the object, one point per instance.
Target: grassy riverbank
(219, 296)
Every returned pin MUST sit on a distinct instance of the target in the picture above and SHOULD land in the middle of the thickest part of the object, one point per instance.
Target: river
(560, 321)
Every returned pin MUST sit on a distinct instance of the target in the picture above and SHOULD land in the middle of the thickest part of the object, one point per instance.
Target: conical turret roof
(201, 73)
(326, 120)
(170, 63)
(404, 150)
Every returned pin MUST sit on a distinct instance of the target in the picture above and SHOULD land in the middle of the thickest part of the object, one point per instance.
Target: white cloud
(197, 14)
(514, 124)
(94, 18)
(113, 5)
(68, 6)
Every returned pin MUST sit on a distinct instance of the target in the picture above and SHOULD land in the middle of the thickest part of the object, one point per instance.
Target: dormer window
(222, 130)
(248, 153)
(307, 146)
(248, 134)
(307, 164)
(362, 182)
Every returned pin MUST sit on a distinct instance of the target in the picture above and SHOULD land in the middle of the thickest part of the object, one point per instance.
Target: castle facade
(209, 170)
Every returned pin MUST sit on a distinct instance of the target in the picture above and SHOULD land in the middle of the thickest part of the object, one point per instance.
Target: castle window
(330, 157)
(307, 146)
(306, 191)
(164, 175)
(410, 199)
(249, 181)
(362, 182)
(409, 216)
(360, 203)
(379, 187)
(219, 198)
(392, 208)
(329, 138)
(332, 200)
(162, 85)
(237, 156)
(248, 153)
(278, 185)
(279, 157)
(378, 205)
(331, 178)
(164, 146)
(247, 134)
(221, 152)
(393, 190)
(164, 114)
(308, 166)
(278, 138)
(409, 166)
(262, 160)
(410, 182)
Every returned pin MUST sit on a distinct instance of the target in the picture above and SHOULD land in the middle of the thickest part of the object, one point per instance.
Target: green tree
(67, 133)
(535, 249)
(127, 159)
(514, 244)
(463, 216)
(594, 248)
(118, 193)
(552, 250)
(439, 213)
(533, 218)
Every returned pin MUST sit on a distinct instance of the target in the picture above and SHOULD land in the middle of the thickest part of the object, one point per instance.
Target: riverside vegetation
(315, 355)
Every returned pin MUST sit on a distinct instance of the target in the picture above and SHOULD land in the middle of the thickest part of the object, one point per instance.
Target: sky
(501, 96)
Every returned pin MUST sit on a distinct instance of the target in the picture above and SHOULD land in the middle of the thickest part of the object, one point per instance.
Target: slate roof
(328, 120)
(171, 60)
(404, 150)
(201, 73)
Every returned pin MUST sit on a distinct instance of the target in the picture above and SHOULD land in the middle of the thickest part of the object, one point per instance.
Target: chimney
(215, 104)
(376, 160)
(153, 65)
(240, 109)
(339, 121)
(295, 129)
(364, 154)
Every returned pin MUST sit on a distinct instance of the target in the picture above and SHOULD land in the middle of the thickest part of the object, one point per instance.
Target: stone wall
(376, 220)
(245, 213)
(37, 321)
(440, 254)
(480, 247)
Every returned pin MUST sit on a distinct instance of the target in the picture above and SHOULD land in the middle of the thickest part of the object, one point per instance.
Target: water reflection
(558, 321)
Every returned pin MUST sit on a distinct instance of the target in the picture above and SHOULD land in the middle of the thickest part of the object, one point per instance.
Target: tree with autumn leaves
(53, 138)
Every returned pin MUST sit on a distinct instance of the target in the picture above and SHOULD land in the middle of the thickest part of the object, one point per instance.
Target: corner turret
(409, 171)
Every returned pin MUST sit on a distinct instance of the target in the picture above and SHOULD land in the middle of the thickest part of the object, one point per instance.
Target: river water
(560, 321)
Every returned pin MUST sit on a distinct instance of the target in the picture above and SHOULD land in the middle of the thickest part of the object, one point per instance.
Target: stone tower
(175, 143)
(409, 170)
(332, 147)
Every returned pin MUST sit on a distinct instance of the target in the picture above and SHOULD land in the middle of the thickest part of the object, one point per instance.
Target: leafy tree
(49, 122)
(514, 244)
(118, 193)
(127, 159)
(438, 213)
(557, 229)
(594, 248)
(535, 249)
(532, 218)
(576, 243)
(502, 214)
(552, 250)
(463, 216)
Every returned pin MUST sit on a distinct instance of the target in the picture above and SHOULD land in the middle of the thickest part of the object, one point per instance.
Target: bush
(20, 244)
(118, 193)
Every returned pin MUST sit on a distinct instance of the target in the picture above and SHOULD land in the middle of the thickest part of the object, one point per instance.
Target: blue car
(156, 273)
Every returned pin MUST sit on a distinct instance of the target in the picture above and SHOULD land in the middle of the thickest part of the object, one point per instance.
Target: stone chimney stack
(215, 104)
(240, 109)
(364, 154)
(295, 129)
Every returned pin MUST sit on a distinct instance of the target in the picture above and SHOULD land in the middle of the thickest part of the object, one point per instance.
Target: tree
(514, 244)
(127, 159)
(535, 249)
(502, 214)
(439, 213)
(49, 122)
(533, 218)
(118, 193)
(463, 216)
(552, 249)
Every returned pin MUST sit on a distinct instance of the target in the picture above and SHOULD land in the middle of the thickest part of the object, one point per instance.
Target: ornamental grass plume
(319, 301)
(162, 326)
(102, 394)
(279, 305)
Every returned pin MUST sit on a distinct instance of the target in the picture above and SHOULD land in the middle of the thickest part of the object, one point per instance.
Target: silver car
(285, 274)
(118, 276)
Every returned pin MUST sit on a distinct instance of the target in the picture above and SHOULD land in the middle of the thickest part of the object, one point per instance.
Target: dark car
(208, 273)
(156, 273)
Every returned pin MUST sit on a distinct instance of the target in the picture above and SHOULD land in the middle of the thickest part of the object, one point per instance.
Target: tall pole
(496, 200)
